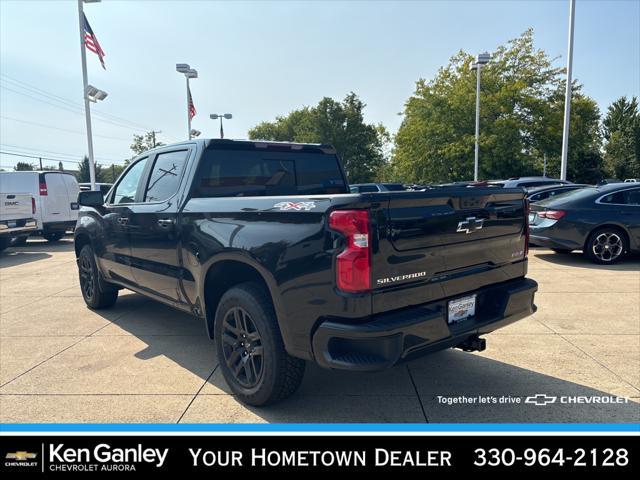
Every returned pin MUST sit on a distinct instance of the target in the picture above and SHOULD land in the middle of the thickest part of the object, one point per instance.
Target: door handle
(123, 220)
(165, 222)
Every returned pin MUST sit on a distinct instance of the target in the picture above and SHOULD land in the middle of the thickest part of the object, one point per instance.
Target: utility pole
(87, 111)
(40, 159)
(567, 95)
(544, 169)
(153, 137)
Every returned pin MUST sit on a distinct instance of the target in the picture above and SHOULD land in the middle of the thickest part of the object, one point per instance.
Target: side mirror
(91, 198)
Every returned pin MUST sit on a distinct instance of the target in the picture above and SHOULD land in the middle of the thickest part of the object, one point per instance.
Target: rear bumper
(12, 228)
(549, 242)
(59, 226)
(403, 334)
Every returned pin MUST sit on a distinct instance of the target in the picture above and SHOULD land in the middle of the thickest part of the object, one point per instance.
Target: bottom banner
(63, 455)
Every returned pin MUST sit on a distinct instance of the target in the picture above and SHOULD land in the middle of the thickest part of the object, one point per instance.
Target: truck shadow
(631, 263)
(426, 387)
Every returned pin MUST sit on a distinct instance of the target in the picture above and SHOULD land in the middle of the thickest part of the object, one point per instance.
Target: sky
(258, 60)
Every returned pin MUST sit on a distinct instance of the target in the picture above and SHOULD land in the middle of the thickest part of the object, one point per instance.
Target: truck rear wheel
(52, 236)
(250, 349)
(96, 292)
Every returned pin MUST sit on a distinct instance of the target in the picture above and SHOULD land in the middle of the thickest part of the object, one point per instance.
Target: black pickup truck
(264, 242)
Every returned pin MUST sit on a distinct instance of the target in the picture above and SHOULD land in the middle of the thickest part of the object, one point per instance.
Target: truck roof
(253, 144)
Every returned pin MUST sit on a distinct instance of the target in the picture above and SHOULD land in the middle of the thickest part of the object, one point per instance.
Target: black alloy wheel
(242, 347)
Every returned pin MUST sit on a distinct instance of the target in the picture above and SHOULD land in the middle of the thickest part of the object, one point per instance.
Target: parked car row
(602, 221)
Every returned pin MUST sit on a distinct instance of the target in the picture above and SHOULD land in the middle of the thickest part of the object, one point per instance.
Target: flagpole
(188, 110)
(87, 111)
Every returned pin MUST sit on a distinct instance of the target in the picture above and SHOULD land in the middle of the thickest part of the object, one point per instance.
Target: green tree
(24, 166)
(522, 101)
(84, 176)
(361, 146)
(112, 173)
(621, 130)
(142, 143)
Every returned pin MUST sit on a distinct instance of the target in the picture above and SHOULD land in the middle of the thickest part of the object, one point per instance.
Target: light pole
(85, 86)
(189, 73)
(215, 116)
(481, 59)
(567, 94)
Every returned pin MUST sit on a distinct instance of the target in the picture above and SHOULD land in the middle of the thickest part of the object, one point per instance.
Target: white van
(55, 194)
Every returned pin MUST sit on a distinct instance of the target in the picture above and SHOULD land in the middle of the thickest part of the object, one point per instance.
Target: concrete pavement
(144, 362)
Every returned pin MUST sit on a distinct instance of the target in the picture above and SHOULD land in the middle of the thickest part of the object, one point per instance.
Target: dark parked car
(603, 222)
(264, 243)
(376, 187)
(542, 193)
(527, 182)
(103, 187)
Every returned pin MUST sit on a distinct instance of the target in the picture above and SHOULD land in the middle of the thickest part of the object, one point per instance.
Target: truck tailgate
(15, 206)
(444, 242)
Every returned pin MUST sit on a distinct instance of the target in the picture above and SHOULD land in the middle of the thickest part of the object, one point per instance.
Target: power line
(27, 122)
(38, 91)
(37, 151)
(39, 157)
(76, 110)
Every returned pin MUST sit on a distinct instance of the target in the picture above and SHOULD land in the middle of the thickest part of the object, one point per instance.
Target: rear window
(241, 173)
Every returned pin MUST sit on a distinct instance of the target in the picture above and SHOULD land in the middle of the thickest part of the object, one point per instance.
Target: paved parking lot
(144, 362)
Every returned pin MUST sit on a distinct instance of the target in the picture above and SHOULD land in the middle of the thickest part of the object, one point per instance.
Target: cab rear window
(240, 173)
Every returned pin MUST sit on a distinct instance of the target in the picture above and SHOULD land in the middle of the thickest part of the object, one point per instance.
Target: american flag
(192, 107)
(91, 41)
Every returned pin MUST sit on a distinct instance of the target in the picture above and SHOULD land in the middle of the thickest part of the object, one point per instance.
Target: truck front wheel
(250, 349)
(96, 292)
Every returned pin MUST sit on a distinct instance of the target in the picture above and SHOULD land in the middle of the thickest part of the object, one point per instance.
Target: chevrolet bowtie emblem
(470, 225)
(541, 399)
(21, 456)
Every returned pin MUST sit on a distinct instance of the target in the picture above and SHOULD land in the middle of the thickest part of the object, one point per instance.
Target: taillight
(33, 205)
(552, 214)
(43, 188)
(527, 209)
(353, 265)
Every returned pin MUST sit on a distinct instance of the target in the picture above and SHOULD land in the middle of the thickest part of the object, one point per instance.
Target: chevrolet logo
(541, 399)
(21, 456)
(470, 225)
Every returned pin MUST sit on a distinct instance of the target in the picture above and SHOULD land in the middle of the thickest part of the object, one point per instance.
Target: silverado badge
(297, 206)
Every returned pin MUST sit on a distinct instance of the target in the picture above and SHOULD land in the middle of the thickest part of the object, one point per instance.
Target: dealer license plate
(461, 308)
(12, 224)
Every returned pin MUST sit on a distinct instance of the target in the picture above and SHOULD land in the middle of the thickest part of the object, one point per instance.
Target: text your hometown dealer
(103, 453)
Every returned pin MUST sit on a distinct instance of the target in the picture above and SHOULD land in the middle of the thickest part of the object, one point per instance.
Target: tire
(606, 245)
(4, 243)
(52, 236)
(97, 293)
(256, 367)
(562, 250)
(19, 241)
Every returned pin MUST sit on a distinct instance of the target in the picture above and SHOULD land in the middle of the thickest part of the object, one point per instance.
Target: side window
(126, 189)
(368, 189)
(165, 175)
(632, 197)
(616, 198)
